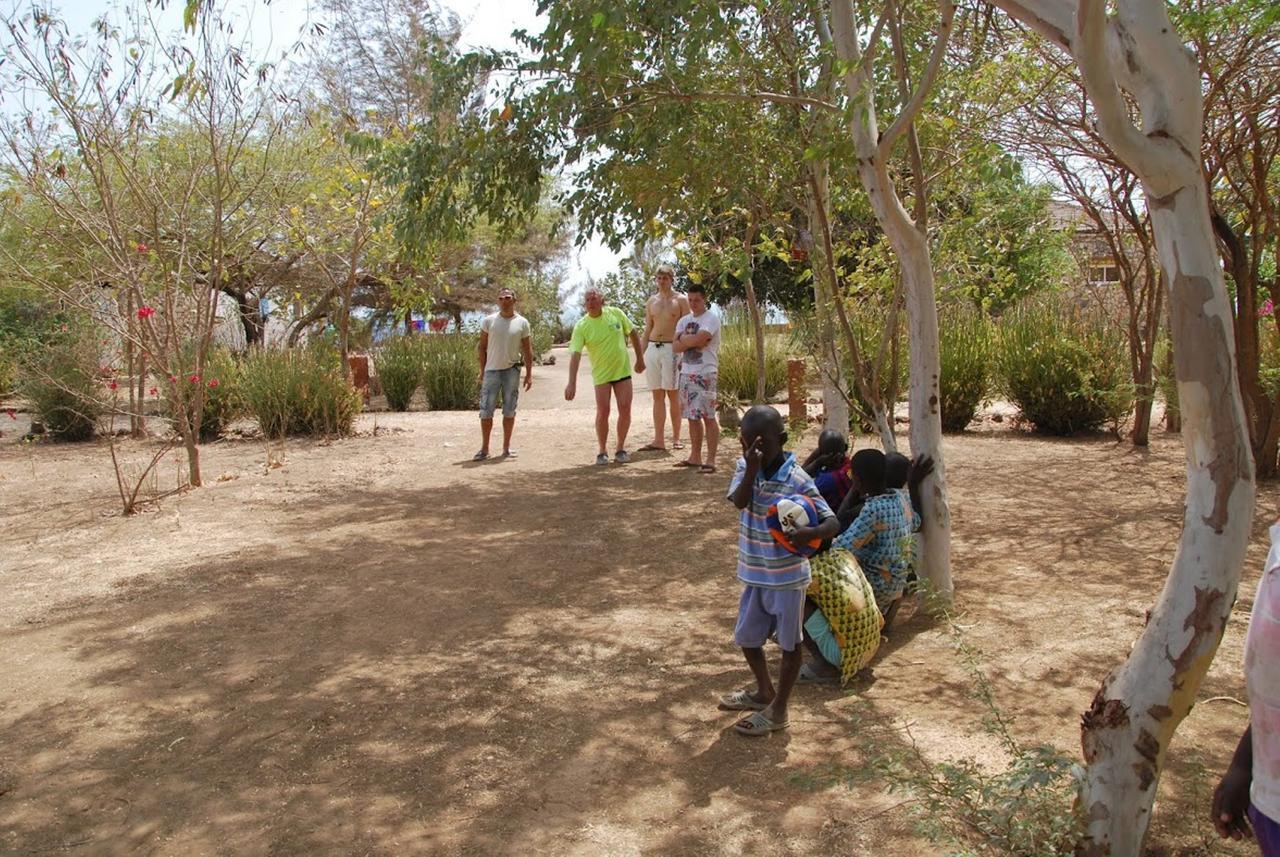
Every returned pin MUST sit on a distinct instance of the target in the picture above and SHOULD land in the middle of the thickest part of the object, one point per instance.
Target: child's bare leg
(760, 669)
(791, 661)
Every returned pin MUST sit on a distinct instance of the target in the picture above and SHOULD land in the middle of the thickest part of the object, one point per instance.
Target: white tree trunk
(1127, 730)
(912, 250)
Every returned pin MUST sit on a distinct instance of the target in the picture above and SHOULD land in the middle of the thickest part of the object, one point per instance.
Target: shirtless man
(661, 312)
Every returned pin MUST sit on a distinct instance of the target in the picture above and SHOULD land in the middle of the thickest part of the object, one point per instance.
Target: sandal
(648, 447)
(480, 456)
(687, 463)
(706, 469)
(758, 725)
(741, 700)
(602, 458)
(622, 456)
(510, 453)
(677, 444)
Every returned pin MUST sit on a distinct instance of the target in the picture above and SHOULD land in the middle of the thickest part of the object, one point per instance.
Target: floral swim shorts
(698, 396)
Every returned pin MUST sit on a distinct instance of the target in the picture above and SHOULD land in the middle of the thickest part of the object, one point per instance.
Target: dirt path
(379, 647)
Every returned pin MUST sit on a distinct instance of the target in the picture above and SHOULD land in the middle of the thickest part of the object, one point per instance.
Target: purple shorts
(764, 611)
(1266, 831)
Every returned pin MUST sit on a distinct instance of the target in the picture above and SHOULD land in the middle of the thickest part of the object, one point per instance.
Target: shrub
(299, 391)
(61, 386)
(737, 363)
(1025, 808)
(8, 374)
(966, 351)
(399, 366)
(868, 319)
(450, 369)
(221, 384)
(1067, 372)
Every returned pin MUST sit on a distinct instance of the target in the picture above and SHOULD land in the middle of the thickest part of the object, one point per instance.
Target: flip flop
(648, 447)
(707, 469)
(757, 725)
(687, 463)
(740, 700)
(480, 456)
(510, 453)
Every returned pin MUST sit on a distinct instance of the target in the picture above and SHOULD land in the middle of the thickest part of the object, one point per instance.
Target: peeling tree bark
(911, 247)
(1126, 732)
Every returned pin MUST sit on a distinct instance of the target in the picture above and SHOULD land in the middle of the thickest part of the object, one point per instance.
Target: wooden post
(797, 392)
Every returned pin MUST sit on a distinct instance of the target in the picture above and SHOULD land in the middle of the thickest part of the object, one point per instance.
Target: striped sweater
(761, 560)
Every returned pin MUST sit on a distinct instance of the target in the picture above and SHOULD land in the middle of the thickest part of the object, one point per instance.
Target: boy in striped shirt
(775, 579)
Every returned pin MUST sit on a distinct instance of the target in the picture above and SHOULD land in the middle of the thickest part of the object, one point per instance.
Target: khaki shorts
(660, 366)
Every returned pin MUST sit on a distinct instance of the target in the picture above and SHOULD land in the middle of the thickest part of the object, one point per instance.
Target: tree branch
(947, 8)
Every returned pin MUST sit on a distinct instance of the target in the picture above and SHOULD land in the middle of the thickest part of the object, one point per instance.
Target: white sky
(277, 25)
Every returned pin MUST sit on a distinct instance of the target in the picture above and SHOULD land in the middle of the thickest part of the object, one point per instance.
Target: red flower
(194, 379)
(142, 248)
(155, 391)
(13, 415)
(113, 386)
(213, 382)
(145, 312)
(173, 378)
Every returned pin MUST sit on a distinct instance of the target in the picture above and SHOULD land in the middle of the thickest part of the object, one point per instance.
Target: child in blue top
(774, 578)
(878, 535)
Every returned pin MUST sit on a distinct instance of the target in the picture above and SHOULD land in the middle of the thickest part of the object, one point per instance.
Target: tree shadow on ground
(411, 671)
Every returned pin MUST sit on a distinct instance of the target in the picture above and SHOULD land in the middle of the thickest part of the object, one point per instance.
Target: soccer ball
(789, 513)
(792, 515)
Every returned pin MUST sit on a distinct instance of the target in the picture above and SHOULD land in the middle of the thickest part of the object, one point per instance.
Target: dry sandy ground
(379, 647)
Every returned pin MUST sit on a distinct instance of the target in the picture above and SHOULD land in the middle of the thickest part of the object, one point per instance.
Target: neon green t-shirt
(605, 338)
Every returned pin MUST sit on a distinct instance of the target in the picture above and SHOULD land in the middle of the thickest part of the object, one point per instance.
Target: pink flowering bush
(222, 403)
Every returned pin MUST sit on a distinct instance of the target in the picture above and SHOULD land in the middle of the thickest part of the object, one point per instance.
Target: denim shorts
(504, 381)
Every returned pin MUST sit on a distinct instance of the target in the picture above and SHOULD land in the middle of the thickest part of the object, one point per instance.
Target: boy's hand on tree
(1229, 809)
(921, 467)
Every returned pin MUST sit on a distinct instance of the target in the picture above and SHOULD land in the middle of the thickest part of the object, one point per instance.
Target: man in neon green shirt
(604, 331)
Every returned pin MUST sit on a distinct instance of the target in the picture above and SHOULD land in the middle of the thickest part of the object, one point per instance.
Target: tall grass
(450, 369)
(967, 349)
(736, 375)
(1067, 371)
(299, 391)
(399, 366)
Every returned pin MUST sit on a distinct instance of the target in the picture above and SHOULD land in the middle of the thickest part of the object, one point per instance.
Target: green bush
(736, 375)
(966, 351)
(450, 368)
(8, 373)
(1066, 371)
(399, 366)
(868, 319)
(61, 386)
(299, 391)
(220, 382)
